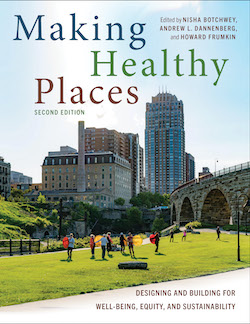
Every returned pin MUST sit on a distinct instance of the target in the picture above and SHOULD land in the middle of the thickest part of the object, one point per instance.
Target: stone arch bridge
(214, 198)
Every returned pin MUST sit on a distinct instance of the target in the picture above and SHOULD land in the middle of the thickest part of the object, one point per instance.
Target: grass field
(46, 276)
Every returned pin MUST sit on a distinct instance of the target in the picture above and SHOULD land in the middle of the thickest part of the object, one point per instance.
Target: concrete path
(219, 298)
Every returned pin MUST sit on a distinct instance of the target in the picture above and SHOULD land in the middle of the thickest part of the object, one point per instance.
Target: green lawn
(45, 276)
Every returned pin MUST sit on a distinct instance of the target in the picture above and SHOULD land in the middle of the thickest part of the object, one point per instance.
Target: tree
(150, 200)
(166, 199)
(119, 201)
(41, 199)
(158, 224)
(134, 216)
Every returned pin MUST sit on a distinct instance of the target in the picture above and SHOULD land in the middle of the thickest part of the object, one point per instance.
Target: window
(67, 161)
(45, 178)
(74, 161)
(95, 159)
(53, 185)
(46, 162)
(53, 178)
(60, 161)
(60, 185)
(46, 170)
(60, 177)
(110, 159)
(102, 176)
(53, 170)
(45, 185)
(53, 162)
(60, 170)
(67, 185)
(74, 177)
(67, 177)
(67, 169)
(88, 161)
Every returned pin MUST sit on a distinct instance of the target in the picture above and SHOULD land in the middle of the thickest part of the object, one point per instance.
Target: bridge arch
(187, 212)
(216, 208)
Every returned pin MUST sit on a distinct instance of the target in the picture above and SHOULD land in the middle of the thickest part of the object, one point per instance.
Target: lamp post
(60, 219)
(238, 221)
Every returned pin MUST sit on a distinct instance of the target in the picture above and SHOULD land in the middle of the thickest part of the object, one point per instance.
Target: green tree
(158, 224)
(134, 216)
(41, 199)
(150, 200)
(119, 201)
(166, 201)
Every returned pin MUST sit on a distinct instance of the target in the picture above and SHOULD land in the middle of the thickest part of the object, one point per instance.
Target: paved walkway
(226, 294)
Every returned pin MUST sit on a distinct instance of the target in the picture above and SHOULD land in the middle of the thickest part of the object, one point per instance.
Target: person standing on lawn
(218, 233)
(130, 245)
(184, 235)
(171, 236)
(104, 243)
(92, 244)
(109, 244)
(157, 240)
(122, 242)
(70, 246)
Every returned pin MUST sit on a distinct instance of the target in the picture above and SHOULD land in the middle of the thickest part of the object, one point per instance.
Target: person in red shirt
(109, 246)
(130, 245)
(92, 245)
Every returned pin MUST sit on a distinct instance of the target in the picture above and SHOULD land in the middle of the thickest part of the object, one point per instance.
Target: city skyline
(216, 118)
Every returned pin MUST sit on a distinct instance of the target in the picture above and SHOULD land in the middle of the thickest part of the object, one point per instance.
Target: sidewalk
(229, 292)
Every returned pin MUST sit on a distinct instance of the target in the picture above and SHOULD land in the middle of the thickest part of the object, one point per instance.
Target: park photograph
(124, 162)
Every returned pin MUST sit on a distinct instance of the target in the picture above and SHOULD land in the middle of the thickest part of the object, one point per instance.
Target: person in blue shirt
(104, 242)
(70, 246)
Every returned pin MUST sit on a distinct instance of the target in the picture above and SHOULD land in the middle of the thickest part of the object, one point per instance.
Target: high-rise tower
(164, 143)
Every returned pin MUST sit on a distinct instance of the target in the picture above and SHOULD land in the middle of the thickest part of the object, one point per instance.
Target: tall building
(164, 144)
(4, 178)
(190, 167)
(126, 145)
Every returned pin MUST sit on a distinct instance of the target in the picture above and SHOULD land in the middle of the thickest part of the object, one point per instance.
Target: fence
(22, 246)
(238, 167)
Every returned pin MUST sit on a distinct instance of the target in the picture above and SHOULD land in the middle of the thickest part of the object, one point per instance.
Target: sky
(216, 117)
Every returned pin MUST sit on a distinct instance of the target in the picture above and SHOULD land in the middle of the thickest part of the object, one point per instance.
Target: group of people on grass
(106, 242)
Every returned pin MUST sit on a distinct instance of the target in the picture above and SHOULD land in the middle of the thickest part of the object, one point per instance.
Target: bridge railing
(238, 167)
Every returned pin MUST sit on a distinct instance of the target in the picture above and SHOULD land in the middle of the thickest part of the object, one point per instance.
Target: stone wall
(213, 200)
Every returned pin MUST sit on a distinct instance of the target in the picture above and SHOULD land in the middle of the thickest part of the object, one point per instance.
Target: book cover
(124, 162)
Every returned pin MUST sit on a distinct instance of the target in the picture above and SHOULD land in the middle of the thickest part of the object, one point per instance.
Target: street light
(238, 219)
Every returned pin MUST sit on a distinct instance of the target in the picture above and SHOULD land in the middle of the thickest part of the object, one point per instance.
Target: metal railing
(21, 246)
(235, 168)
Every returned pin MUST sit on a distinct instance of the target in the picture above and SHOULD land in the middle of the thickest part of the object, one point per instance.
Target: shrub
(194, 224)
(235, 228)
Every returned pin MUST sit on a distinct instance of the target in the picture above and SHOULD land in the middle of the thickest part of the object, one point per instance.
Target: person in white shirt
(70, 246)
(104, 242)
